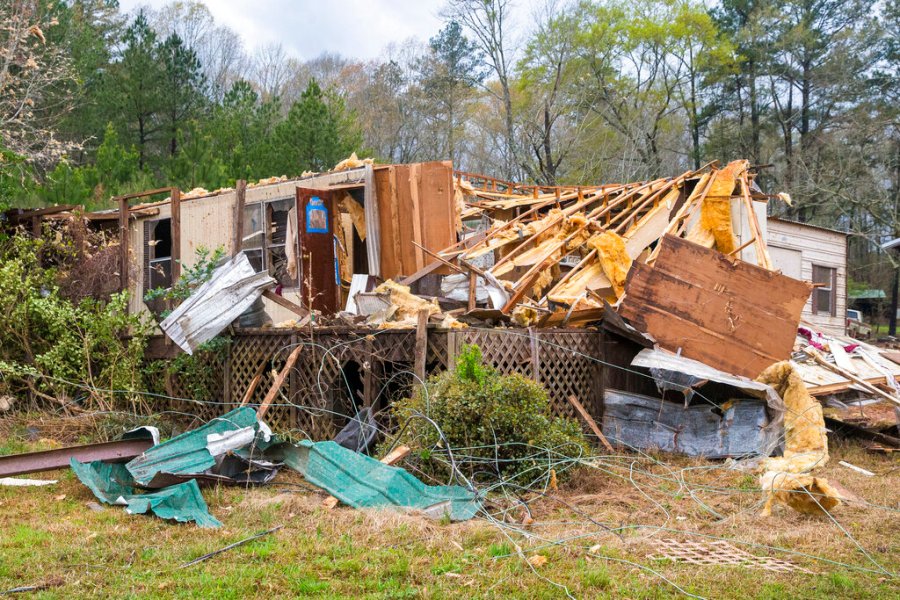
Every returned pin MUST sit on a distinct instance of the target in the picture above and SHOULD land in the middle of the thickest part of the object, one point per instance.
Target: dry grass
(49, 534)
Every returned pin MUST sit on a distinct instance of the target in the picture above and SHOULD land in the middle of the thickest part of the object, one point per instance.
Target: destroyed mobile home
(650, 310)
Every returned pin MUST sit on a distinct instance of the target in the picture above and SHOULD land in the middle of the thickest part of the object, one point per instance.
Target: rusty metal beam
(48, 460)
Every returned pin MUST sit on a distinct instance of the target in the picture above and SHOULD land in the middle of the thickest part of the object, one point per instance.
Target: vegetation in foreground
(50, 535)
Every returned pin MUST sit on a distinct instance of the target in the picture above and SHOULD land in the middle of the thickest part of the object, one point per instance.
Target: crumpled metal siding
(233, 287)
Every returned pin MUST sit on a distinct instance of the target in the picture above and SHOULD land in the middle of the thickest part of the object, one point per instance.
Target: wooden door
(318, 264)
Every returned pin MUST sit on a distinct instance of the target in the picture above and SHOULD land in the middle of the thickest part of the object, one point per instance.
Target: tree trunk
(754, 114)
(892, 317)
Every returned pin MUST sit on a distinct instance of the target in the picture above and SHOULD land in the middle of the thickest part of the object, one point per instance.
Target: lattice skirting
(342, 370)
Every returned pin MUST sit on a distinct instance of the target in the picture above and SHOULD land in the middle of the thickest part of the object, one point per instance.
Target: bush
(495, 426)
(56, 349)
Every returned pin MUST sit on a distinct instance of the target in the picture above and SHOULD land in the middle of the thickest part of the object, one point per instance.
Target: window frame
(831, 288)
(265, 234)
(150, 258)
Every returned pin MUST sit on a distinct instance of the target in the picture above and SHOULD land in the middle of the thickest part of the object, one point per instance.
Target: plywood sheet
(720, 311)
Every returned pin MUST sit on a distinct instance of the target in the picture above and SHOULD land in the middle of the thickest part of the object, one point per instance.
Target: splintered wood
(726, 313)
(718, 553)
(568, 250)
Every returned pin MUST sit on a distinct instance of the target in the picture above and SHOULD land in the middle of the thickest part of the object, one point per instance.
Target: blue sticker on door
(316, 216)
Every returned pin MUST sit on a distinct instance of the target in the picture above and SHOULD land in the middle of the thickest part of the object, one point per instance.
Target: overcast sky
(307, 28)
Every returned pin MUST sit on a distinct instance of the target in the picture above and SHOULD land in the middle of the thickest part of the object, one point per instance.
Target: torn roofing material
(113, 484)
(736, 428)
(195, 452)
(233, 287)
(363, 482)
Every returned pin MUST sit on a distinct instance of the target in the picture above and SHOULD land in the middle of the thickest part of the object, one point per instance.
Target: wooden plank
(726, 313)
(395, 456)
(814, 354)
(123, 243)
(591, 423)
(473, 285)
(282, 301)
(176, 234)
(421, 344)
(279, 381)
(414, 183)
(254, 383)
(240, 199)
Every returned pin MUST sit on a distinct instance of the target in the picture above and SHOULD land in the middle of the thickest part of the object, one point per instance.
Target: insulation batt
(715, 228)
(786, 479)
(357, 213)
(613, 258)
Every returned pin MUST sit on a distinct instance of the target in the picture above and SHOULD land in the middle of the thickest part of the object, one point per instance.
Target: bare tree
(32, 72)
(271, 70)
(488, 21)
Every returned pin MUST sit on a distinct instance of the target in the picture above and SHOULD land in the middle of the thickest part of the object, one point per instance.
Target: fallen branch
(230, 546)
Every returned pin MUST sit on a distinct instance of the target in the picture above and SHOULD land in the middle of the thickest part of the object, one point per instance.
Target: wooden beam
(282, 301)
(421, 344)
(473, 282)
(591, 423)
(123, 243)
(237, 237)
(414, 180)
(176, 234)
(395, 456)
(279, 381)
(254, 383)
(145, 193)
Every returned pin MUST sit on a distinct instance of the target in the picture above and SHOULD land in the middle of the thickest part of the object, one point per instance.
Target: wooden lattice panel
(507, 350)
(341, 371)
(568, 366)
(720, 552)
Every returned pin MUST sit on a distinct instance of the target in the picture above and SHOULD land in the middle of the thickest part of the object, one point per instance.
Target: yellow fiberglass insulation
(408, 304)
(715, 212)
(357, 213)
(786, 478)
(613, 258)
(544, 278)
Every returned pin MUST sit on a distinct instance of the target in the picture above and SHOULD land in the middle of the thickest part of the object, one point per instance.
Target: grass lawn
(50, 535)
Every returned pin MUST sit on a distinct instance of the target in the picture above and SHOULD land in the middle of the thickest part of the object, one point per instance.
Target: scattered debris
(720, 552)
(844, 463)
(728, 314)
(17, 482)
(197, 452)
(786, 479)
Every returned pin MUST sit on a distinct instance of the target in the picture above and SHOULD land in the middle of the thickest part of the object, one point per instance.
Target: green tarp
(362, 482)
(113, 484)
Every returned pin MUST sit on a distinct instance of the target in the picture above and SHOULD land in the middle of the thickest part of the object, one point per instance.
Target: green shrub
(495, 426)
(58, 350)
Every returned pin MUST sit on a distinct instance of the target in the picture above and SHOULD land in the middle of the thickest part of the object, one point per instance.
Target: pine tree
(317, 133)
(182, 99)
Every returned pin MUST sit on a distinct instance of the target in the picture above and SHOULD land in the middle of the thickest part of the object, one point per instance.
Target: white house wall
(816, 246)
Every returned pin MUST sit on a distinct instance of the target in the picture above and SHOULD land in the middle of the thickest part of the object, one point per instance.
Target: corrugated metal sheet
(233, 287)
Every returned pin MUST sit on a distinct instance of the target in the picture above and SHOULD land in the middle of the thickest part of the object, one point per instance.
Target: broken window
(824, 299)
(157, 254)
(265, 238)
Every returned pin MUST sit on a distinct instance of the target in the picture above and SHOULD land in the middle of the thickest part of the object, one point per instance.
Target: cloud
(307, 28)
